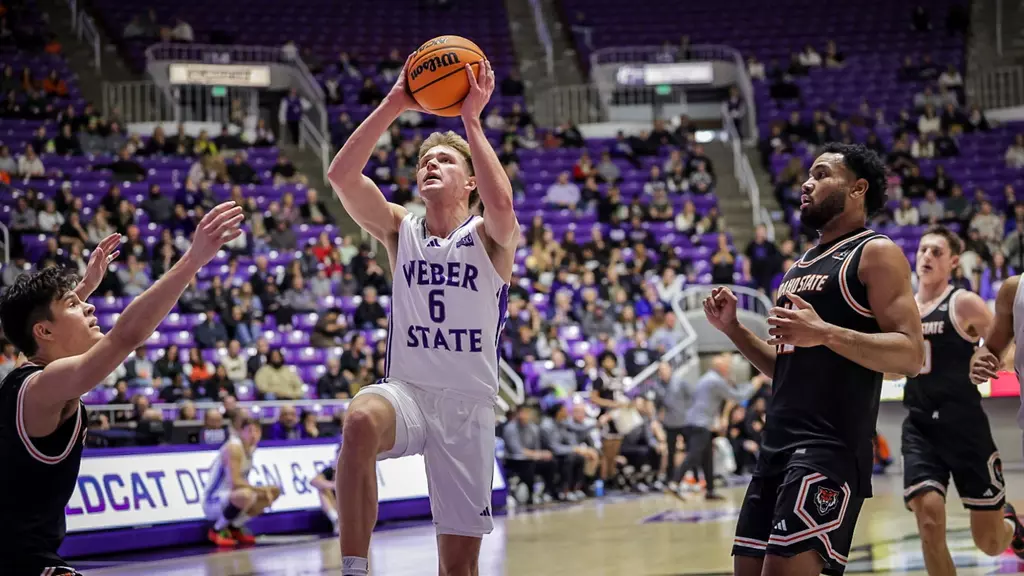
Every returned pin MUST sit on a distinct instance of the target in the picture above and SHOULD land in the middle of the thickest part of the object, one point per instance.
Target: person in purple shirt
(287, 426)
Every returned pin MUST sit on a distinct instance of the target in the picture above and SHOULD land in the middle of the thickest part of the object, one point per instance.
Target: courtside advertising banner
(145, 489)
(243, 75)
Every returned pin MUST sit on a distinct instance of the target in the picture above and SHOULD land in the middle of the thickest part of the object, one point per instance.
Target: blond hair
(457, 143)
(451, 140)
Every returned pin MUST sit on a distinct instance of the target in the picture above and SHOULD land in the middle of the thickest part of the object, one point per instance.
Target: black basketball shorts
(932, 452)
(795, 511)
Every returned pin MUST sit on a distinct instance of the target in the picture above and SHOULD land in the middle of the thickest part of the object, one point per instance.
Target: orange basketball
(437, 74)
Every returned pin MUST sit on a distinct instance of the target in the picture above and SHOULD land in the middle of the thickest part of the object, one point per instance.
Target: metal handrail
(745, 175)
(544, 35)
(315, 405)
(515, 388)
(5, 233)
(87, 31)
(689, 298)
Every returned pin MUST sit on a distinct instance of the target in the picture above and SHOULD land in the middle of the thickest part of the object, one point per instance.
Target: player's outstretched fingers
(221, 218)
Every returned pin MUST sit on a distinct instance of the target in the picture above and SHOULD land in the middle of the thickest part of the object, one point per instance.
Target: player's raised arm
(361, 198)
(68, 378)
(989, 357)
(491, 180)
(898, 348)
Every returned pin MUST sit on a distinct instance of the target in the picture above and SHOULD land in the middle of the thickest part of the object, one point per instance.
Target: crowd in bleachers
(614, 229)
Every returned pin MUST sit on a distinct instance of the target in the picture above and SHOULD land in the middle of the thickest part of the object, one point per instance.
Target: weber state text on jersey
(37, 478)
(824, 406)
(945, 378)
(448, 307)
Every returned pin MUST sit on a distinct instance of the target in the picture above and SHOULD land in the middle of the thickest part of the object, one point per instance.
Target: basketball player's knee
(930, 512)
(362, 431)
(243, 498)
(989, 531)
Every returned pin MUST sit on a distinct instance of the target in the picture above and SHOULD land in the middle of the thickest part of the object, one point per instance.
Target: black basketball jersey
(945, 378)
(824, 406)
(37, 479)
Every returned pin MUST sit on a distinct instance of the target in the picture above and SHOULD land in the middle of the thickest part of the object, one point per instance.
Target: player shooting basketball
(451, 270)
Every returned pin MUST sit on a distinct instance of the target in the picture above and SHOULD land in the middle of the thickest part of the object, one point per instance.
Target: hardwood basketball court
(648, 535)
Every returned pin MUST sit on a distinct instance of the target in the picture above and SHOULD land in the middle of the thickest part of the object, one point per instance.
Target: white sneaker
(580, 495)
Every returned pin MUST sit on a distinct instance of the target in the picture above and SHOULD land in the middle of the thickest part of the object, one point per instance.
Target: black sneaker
(1017, 543)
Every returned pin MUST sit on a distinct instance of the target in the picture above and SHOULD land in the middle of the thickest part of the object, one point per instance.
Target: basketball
(437, 75)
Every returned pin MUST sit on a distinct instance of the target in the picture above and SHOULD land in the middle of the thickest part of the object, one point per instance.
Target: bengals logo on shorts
(826, 499)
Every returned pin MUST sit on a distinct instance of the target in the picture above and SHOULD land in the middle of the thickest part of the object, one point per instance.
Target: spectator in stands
(30, 165)
(723, 262)
(1015, 153)
(234, 363)
(906, 214)
(282, 237)
(159, 207)
(139, 369)
(370, 313)
(333, 383)
(284, 172)
(525, 458)
(993, 276)
(989, 226)
(219, 385)
(211, 333)
(275, 381)
(833, 57)
(355, 356)
(49, 220)
(197, 370)
(810, 58)
(314, 211)
(133, 276)
(568, 456)
(931, 209)
(8, 358)
(329, 330)
(175, 390)
(214, 431)
(168, 364)
(563, 193)
(288, 426)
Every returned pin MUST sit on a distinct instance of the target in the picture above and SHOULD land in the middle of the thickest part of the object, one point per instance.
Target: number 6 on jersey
(435, 301)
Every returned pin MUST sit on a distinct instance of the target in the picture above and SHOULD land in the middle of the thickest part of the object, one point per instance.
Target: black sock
(231, 511)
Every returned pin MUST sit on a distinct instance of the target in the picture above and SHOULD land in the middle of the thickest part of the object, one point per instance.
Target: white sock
(354, 566)
(1010, 523)
(240, 520)
(332, 515)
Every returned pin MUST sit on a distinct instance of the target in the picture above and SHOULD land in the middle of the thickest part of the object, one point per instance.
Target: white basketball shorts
(213, 504)
(455, 434)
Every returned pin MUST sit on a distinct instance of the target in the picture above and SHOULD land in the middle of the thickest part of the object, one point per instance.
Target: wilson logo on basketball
(435, 63)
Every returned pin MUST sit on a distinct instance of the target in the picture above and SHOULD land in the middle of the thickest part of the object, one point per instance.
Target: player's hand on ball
(400, 93)
(220, 226)
(720, 309)
(798, 326)
(984, 366)
(481, 86)
(104, 253)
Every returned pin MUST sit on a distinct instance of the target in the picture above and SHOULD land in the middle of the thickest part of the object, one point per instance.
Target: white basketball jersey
(1018, 336)
(220, 476)
(448, 306)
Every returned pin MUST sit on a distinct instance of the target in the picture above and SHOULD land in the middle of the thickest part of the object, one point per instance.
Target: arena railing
(576, 104)
(697, 52)
(317, 406)
(5, 244)
(316, 131)
(745, 175)
(85, 29)
(511, 384)
(1000, 87)
(684, 356)
(544, 35)
(149, 101)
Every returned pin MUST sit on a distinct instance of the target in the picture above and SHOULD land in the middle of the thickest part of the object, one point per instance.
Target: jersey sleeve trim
(956, 323)
(23, 432)
(844, 283)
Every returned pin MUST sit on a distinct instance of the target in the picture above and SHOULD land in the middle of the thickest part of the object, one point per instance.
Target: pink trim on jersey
(27, 441)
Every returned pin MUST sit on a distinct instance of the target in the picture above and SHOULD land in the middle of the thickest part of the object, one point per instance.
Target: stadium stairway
(768, 201)
(530, 50)
(80, 55)
(732, 202)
